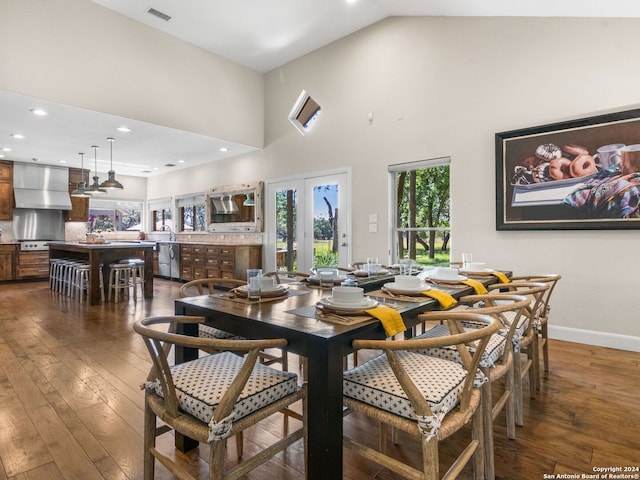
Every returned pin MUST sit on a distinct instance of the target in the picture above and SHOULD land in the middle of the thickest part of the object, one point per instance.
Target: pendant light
(82, 185)
(111, 183)
(249, 202)
(95, 186)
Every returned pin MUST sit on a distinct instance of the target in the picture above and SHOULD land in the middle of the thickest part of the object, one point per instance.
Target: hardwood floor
(71, 407)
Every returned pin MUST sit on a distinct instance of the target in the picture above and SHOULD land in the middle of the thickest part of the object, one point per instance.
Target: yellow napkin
(501, 276)
(477, 286)
(445, 300)
(391, 320)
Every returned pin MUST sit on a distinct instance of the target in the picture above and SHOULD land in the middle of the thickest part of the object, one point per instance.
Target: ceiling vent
(169, 164)
(159, 14)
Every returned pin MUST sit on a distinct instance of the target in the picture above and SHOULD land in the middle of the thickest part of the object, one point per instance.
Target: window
(421, 206)
(161, 214)
(115, 215)
(192, 213)
(304, 112)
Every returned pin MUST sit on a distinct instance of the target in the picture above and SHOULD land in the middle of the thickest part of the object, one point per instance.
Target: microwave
(235, 208)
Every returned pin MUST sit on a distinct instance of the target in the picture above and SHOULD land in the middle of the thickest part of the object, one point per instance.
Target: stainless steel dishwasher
(169, 259)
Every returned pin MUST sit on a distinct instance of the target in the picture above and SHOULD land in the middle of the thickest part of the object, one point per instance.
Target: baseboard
(591, 337)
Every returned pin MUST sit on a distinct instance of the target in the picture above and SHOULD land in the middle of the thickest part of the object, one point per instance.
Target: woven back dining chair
(525, 338)
(496, 363)
(541, 322)
(427, 397)
(213, 397)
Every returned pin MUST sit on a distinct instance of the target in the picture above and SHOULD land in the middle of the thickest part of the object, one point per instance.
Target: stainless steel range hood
(225, 205)
(37, 186)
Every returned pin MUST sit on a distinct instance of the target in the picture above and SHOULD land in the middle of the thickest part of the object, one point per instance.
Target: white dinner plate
(363, 305)
(482, 271)
(365, 273)
(394, 288)
(274, 291)
(337, 280)
(457, 279)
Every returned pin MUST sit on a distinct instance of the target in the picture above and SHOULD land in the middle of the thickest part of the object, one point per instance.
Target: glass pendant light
(111, 183)
(95, 186)
(82, 185)
(249, 202)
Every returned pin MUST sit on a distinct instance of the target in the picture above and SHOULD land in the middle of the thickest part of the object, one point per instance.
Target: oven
(33, 245)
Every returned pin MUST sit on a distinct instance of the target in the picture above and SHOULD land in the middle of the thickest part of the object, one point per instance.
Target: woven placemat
(238, 299)
(311, 311)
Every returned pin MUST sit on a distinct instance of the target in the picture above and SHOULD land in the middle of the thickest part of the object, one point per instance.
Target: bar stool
(136, 275)
(80, 282)
(55, 264)
(119, 278)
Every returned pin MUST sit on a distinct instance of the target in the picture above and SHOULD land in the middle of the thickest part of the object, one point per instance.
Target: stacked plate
(394, 288)
(331, 304)
(435, 277)
(337, 279)
(277, 290)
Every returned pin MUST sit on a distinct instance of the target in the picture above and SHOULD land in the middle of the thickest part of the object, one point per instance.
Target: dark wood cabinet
(7, 261)
(32, 264)
(218, 261)
(6, 190)
(79, 205)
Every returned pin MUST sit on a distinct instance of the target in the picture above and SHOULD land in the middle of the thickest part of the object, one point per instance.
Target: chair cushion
(201, 383)
(492, 353)
(210, 332)
(440, 381)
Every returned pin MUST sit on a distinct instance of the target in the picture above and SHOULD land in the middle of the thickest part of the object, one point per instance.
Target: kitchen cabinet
(6, 190)
(32, 264)
(218, 261)
(79, 205)
(7, 261)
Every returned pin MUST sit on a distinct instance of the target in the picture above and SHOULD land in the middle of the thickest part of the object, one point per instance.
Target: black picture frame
(528, 197)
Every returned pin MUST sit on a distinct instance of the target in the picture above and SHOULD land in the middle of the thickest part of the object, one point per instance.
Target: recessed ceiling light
(224, 149)
(180, 161)
(123, 129)
(1, 156)
(38, 111)
(63, 161)
(19, 136)
(6, 149)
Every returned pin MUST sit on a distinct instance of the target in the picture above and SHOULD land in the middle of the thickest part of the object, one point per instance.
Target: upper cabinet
(79, 205)
(6, 190)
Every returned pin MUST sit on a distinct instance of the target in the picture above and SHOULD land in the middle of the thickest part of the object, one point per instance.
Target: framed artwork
(580, 174)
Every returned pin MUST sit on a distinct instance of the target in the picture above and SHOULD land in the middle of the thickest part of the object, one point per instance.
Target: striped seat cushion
(440, 381)
(201, 383)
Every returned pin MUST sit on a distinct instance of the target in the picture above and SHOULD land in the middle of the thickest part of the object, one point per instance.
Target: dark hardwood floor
(71, 407)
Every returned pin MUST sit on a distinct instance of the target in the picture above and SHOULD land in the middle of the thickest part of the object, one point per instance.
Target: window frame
(393, 171)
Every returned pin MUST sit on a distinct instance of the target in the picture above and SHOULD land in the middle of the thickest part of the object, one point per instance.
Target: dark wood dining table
(321, 341)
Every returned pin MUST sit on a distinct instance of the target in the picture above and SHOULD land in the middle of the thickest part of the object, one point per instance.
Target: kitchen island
(97, 254)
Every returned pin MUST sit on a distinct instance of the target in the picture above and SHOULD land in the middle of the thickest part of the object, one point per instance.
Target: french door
(307, 222)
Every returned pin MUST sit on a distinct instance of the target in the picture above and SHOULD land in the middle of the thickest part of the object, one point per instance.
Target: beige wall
(436, 87)
(79, 53)
(444, 87)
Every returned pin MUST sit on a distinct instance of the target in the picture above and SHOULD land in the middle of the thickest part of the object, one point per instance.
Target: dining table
(324, 339)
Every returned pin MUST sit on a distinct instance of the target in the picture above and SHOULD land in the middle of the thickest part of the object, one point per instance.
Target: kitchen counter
(105, 254)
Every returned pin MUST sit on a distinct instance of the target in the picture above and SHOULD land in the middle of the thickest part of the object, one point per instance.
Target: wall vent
(159, 14)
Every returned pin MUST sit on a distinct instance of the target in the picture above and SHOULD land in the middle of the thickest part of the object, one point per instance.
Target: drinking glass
(405, 266)
(254, 277)
(326, 278)
(466, 259)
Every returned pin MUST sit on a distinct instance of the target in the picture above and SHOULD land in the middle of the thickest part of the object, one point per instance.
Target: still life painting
(579, 174)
